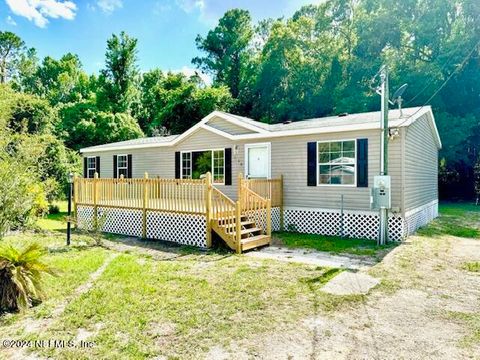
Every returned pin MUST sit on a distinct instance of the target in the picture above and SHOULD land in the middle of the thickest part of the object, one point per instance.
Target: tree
(226, 47)
(118, 82)
(11, 48)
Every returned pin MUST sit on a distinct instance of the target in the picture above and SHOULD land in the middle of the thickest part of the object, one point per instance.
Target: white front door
(257, 161)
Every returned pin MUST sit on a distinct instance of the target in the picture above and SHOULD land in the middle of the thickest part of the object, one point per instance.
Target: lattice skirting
(420, 217)
(356, 224)
(187, 229)
(259, 218)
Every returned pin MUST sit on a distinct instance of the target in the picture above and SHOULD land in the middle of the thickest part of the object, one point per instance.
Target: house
(327, 164)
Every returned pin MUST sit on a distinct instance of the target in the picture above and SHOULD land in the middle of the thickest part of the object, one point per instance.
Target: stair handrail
(227, 213)
(251, 201)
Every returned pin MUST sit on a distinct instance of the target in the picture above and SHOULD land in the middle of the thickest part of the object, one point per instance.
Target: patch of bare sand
(408, 321)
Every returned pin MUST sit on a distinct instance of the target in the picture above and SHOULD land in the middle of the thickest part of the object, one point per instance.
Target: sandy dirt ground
(410, 315)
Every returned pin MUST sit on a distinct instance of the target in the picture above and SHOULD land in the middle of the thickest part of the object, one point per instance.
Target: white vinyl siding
(421, 165)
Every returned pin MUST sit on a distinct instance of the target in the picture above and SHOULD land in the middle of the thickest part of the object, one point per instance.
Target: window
(91, 167)
(197, 163)
(187, 165)
(122, 166)
(336, 162)
(218, 166)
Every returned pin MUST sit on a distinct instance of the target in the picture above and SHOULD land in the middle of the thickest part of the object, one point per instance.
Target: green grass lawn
(55, 222)
(142, 307)
(456, 219)
(331, 244)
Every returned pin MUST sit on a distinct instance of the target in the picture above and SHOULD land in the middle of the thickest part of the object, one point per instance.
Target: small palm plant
(21, 272)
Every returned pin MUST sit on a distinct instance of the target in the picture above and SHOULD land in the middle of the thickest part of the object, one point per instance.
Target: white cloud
(39, 11)
(188, 71)
(9, 20)
(109, 6)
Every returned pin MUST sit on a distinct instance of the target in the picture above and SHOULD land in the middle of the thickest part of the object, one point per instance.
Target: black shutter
(115, 172)
(228, 166)
(129, 166)
(362, 162)
(85, 172)
(312, 164)
(97, 165)
(177, 165)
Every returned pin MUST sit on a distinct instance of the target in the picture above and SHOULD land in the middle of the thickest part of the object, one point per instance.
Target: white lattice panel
(275, 219)
(187, 229)
(328, 222)
(421, 218)
(84, 217)
(121, 221)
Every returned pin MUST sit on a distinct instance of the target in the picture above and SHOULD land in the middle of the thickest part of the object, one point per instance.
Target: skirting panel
(187, 229)
(421, 217)
(329, 222)
(259, 218)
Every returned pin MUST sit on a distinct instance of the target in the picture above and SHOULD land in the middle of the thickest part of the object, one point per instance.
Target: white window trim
(269, 156)
(89, 168)
(123, 167)
(191, 163)
(354, 164)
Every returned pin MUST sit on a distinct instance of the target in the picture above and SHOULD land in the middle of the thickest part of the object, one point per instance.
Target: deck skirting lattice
(356, 224)
(421, 216)
(186, 229)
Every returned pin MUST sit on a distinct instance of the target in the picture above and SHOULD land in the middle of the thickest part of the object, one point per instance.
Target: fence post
(145, 205)
(269, 217)
(95, 200)
(208, 207)
(281, 204)
(75, 200)
(238, 227)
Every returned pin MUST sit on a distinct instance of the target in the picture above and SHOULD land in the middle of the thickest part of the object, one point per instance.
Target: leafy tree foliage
(226, 47)
(11, 48)
(118, 82)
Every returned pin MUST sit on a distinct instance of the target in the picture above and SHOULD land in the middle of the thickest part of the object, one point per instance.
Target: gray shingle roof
(141, 141)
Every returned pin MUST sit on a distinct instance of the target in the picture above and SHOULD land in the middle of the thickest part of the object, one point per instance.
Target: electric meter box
(381, 193)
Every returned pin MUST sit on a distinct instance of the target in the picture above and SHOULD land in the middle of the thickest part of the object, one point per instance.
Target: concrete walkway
(312, 257)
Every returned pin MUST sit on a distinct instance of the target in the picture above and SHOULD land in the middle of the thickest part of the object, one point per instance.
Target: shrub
(53, 209)
(21, 273)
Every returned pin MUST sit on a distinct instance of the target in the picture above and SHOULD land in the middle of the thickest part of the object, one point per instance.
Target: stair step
(243, 223)
(255, 241)
(246, 231)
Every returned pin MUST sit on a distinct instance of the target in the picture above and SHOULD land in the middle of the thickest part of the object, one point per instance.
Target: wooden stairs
(232, 221)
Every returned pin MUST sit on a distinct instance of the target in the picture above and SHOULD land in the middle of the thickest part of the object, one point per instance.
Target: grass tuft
(472, 266)
(331, 244)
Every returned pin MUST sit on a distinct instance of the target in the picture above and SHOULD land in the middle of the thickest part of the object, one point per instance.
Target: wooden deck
(243, 224)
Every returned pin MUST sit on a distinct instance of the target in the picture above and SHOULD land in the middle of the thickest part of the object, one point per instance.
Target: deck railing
(183, 196)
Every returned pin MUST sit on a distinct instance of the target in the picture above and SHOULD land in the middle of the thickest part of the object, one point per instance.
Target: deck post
(145, 205)
(208, 208)
(240, 187)
(238, 227)
(269, 217)
(282, 226)
(95, 201)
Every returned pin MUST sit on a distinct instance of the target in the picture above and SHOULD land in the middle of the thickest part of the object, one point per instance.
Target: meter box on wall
(381, 193)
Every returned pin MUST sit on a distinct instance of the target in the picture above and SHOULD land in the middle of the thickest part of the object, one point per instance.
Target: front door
(257, 161)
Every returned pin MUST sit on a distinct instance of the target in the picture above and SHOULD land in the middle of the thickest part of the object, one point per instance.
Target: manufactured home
(320, 172)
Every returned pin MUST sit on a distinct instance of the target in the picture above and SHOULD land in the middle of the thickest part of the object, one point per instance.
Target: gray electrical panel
(380, 196)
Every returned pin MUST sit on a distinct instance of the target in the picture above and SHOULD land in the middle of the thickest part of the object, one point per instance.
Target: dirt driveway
(426, 307)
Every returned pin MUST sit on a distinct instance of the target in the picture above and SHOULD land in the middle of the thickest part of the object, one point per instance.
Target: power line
(462, 64)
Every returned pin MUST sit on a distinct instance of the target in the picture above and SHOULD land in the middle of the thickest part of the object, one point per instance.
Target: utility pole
(383, 229)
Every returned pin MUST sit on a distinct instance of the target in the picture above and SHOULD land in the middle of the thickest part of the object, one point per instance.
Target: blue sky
(166, 29)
